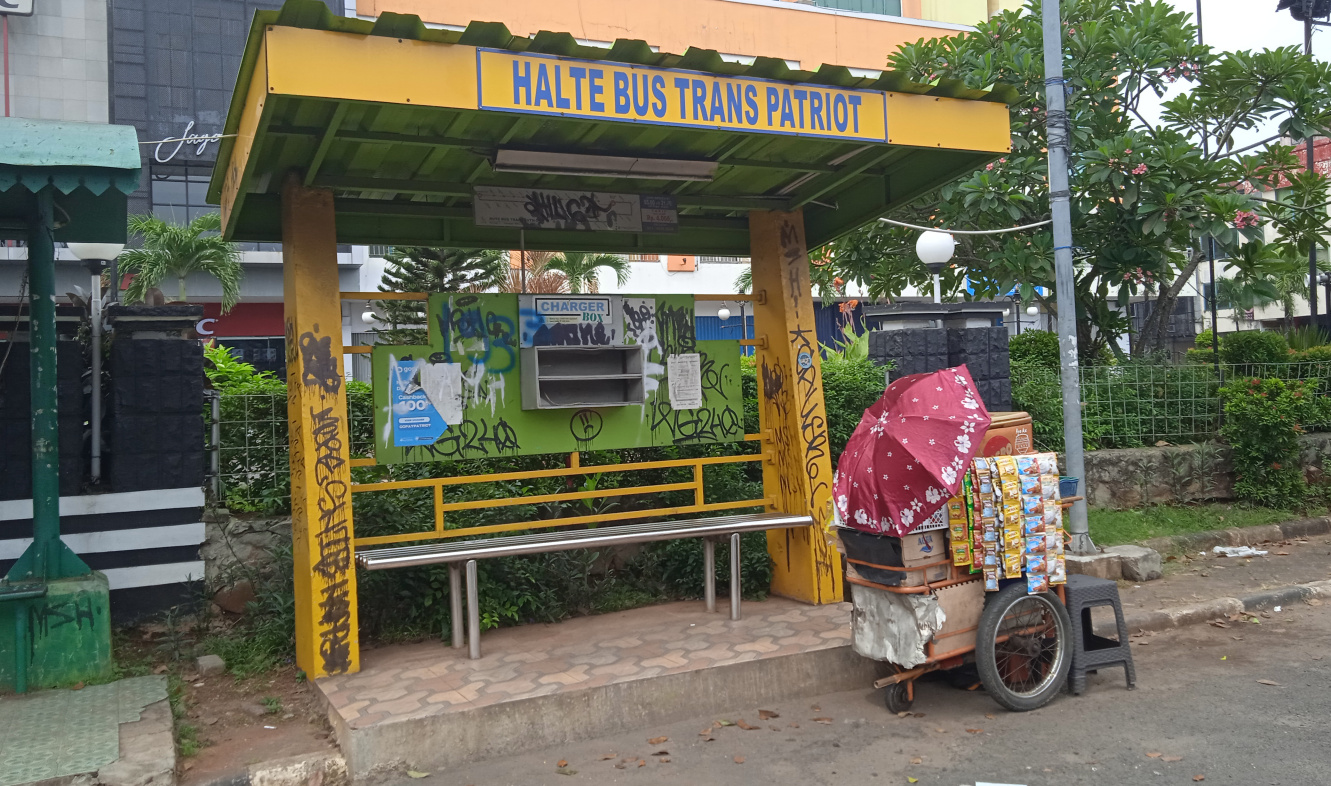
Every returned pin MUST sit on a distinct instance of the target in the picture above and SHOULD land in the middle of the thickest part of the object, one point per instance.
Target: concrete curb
(1241, 536)
(319, 769)
(1181, 616)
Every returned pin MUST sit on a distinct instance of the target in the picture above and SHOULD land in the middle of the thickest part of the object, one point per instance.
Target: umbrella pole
(1059, 202)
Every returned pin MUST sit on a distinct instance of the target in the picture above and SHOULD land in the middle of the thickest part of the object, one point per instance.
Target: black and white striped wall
(146, 542)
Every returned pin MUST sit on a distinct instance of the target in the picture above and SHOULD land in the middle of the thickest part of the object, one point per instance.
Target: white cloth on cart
(893, 627)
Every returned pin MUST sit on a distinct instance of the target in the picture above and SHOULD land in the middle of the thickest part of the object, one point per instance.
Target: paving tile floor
(418, 680)
(69, 732)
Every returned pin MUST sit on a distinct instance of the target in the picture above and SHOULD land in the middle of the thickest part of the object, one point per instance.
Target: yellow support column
(797, 471)
(327, 640)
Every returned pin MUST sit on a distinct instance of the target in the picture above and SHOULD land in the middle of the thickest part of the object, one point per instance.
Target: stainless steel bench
(458, 553)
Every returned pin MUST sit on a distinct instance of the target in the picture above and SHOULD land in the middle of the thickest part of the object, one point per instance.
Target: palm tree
(175, 251)
(580, 268)
(744, 281)
(537, 279)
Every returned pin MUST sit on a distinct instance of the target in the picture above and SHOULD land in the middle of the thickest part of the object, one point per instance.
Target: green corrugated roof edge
(315, 15)
(97, 156)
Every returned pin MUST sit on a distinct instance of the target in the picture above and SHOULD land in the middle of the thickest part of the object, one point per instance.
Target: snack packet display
(1035, 545)
(1037, 583)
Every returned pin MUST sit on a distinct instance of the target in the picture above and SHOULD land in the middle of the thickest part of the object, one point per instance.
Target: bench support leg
(455, 620)
(473, 613)
(734, 576)
(709, 573)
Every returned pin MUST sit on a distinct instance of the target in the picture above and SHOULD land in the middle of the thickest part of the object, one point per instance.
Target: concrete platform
(427, 707)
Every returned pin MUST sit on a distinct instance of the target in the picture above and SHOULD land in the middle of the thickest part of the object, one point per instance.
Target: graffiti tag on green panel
(480, 333)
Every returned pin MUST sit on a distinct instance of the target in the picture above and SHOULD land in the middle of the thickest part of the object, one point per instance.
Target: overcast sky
(1248, 24)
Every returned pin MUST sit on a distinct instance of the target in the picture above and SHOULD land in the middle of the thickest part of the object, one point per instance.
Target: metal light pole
(1312, 244)
(1210, 241)
(1065, 275)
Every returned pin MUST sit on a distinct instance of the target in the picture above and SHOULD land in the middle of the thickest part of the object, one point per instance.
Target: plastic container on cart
(1067, 486)
(865, 547)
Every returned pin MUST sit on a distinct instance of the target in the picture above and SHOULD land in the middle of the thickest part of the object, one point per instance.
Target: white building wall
(58, 62)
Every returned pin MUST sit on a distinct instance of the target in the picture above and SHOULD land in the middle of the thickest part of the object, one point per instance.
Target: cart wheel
(897, 697)
(1023, 647)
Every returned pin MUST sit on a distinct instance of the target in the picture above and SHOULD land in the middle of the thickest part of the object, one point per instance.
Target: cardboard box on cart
(1009, 434)
(924, 548)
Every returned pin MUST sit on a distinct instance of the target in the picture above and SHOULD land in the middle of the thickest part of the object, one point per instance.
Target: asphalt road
(1198, 704)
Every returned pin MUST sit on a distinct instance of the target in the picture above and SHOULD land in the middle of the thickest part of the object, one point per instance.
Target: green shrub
(850, 386)
(1249, 349)
(1204, 340)
(1263, 420)
(1035, 348)
(1320, 354)
(1307, 337)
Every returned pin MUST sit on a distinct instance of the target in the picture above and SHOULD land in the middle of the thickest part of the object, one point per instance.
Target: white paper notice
(442, 383)
(684, 375)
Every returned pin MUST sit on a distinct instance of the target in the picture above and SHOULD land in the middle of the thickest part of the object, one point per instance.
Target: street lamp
(935, 250)
(723, 313)
(97, 256)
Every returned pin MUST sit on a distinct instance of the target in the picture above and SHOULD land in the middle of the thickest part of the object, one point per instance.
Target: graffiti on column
(793, 253)
(320, 379)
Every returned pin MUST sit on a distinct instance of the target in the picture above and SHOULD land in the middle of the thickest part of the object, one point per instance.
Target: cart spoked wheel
(899, 696)
(1023, 647)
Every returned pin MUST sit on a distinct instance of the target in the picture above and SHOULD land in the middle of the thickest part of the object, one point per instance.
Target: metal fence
(1142, 404)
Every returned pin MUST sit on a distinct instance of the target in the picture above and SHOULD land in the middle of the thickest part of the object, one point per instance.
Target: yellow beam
(389, 485)
(327, 640)
(384, 295)
(798, 472)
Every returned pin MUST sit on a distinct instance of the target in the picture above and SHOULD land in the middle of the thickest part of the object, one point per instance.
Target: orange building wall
(812, 37)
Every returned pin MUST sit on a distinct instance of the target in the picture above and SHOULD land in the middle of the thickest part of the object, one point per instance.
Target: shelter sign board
(598, 90)
(543, 208)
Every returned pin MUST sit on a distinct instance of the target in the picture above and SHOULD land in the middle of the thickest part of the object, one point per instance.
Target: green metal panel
(66, 633)
(483, 337)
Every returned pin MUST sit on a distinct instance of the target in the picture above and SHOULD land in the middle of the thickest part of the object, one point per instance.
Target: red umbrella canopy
(907, 457)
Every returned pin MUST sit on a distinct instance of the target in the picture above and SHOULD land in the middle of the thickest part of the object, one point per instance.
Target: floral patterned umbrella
(907, 457)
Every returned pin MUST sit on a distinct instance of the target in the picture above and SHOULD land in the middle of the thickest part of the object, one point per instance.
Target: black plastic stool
(1091, 652)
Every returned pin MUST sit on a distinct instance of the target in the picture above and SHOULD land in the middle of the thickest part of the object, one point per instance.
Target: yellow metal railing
(575, 468)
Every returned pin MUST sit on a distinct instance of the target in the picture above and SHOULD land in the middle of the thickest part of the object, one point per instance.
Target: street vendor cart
(952, 559)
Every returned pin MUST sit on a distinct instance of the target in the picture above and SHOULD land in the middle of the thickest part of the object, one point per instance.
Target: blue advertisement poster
(415, 419)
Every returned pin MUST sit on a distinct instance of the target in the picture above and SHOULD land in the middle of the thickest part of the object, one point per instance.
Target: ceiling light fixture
(580, 164)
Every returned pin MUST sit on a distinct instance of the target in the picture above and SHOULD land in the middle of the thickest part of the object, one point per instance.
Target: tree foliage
(1145, 191)
(424, 269)
(170, 251)
(582, 270)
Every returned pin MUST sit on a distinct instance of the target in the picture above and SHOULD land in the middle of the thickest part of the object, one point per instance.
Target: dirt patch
(243, 722)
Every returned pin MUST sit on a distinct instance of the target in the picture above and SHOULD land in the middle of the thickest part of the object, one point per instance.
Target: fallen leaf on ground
(722, 723)
(1171, 758)
(1154, 755)
(417, 774)
(1143, 642)
(919, 714)
(941, 731)
(1268, 682)
(794, 725)
(823, 721)
(987, 715)
(816, 708)
(661, 753)
(1220, 624)
(743, 724)
(561, 763)
(621, 765)
(1199, 778)
(739, 759)
(1314, 602)
(1224, 657)
(903, 714)
(912, 780)
(566, 771)
(665, 760)
(767, 714)
(642, 762)
(160, 669)
(1317, 657)
(707, 732)
(916, 760)
(974, 731)
(1282, 553)
(657, 740)
(608, 756)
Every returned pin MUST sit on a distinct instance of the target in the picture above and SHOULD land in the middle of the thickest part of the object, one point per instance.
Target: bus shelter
(345, 131)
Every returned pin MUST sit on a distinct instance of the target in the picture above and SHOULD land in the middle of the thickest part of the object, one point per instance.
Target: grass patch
(1113, 527)
(187, 734)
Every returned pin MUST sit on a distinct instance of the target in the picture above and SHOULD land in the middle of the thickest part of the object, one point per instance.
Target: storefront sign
(198, 141)
(16, 7)
(567, 311)
(537, 208)
(550, 85)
